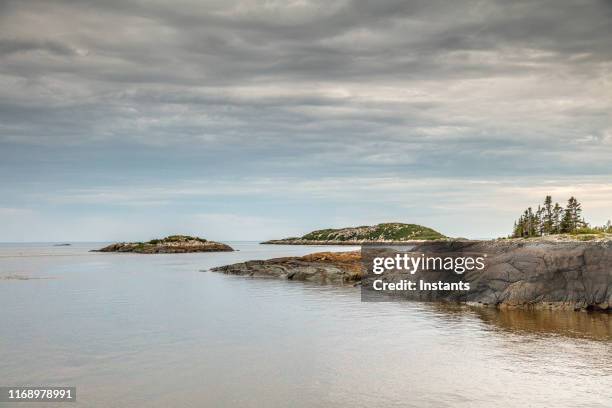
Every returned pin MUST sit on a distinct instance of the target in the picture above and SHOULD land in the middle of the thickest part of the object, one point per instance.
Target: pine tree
(556, 218)
(572, 219)
(575, 211)
(522, 226)
(532, 225)
(548, 221)
(567, 225)
(539, 217)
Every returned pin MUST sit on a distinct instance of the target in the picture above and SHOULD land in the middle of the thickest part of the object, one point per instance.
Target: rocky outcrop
(324, 267)
(174, 244)
(566, 275)
(523, 274)
(381, 233)
(518, 274)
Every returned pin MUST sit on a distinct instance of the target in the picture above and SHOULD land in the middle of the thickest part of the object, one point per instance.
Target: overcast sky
(131, 119)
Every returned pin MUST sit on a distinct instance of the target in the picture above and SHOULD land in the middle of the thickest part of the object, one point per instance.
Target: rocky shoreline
(174, 244)
(322, 267)
(529, 274)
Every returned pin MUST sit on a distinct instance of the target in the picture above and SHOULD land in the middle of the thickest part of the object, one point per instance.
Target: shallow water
(152, 330)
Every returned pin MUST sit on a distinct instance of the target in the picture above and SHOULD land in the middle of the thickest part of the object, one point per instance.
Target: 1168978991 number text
(40, 393)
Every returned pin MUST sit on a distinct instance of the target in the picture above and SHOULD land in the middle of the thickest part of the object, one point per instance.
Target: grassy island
(172, 244)
(386, 232)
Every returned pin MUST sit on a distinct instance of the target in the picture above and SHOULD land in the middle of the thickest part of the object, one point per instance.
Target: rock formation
(324, 267)
(518, 274)
(173, 244)
(387, 233)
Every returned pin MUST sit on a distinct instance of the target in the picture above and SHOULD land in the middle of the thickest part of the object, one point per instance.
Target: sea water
(132, 330)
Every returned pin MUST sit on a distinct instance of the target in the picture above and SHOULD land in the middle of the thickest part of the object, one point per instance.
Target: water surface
(132, 330)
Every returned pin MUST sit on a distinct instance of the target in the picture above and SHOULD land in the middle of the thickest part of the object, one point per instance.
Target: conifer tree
(523, 225)
(548, 222)
(575, 210)
(549, 219)
(566, 222)
(557, 212)
(539, 217)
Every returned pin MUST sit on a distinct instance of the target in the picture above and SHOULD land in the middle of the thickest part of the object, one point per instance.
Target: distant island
(173, 244)
(387, 233)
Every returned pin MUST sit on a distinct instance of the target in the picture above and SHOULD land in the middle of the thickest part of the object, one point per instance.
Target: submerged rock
(173, 244)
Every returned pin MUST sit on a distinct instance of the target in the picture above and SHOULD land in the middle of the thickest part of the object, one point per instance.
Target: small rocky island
(381, 233)
(173, 244)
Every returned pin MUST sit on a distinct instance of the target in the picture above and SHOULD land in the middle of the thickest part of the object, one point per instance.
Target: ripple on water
(155, 331)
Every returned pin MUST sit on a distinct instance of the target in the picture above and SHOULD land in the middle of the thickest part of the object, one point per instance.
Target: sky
(248, 120)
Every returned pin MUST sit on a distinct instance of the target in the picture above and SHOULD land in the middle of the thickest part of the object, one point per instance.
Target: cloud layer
(98, 96)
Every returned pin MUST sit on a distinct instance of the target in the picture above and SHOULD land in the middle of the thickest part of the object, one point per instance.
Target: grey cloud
(423, 85)
(10, 46)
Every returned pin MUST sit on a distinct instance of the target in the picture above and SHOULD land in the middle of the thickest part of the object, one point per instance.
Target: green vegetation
(551, 219)
(380, 232)
(175, 238)
(607, 228)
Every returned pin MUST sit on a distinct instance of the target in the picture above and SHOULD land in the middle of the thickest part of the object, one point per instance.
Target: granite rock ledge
(529, 274)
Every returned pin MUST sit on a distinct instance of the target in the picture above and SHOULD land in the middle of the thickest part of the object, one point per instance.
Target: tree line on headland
(551, 219)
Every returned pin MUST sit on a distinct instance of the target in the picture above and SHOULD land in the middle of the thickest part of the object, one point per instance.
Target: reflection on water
(137, 330)
(587, 325)
(573, 324)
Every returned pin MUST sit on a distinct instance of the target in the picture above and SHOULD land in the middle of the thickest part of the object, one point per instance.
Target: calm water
(151, 330)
